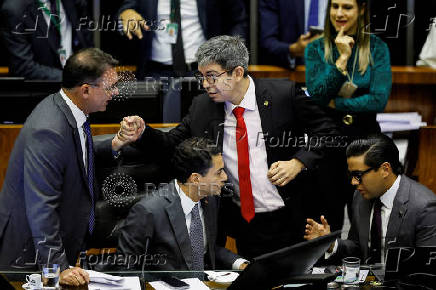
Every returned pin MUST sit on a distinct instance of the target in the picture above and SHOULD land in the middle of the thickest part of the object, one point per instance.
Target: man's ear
(386, 169)
(194, 178)
(239, 71)
(84, 91)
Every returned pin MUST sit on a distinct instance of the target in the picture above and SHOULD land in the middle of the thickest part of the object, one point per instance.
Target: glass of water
(50, 276)
(351, 266)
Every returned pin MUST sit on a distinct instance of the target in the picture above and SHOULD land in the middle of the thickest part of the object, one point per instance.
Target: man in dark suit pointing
(47, 199)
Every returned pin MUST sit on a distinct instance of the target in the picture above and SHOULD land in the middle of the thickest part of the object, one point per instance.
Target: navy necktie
(376, 233)
(313, 14)
(197, 240)
(90, 159)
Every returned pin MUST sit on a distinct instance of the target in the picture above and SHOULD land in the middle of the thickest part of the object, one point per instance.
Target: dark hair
(86, 66)
(193, 155)
(377, 149)
(227, 51)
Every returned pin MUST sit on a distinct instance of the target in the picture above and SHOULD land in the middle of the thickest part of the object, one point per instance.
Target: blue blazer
(281, 23)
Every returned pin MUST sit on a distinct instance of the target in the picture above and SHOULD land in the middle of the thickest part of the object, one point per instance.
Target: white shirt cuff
(236, 264)
(335, 248)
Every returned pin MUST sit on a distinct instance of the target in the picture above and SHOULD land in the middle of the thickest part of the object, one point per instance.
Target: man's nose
(354, 181)
(205, 83)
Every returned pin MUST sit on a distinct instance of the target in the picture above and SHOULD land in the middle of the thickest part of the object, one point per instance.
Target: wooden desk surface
(400, 74)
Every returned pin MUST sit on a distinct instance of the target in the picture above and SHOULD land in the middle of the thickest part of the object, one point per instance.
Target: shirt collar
(77, 113)
(187, 203)
(248, 102)
(388, 197)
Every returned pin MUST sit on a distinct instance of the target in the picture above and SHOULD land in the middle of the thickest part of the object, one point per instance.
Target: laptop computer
(278, 267)
(415, 266)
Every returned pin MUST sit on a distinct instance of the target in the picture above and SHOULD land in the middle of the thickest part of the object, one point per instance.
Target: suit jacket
(281, 24)
(286, 115)
(45, 200)
(32, 50)
(217, 17)
(160, 218)
(412, 222)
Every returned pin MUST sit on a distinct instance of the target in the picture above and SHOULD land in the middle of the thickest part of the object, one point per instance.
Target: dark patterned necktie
(90, 163)
(197, 240)
(55, 23)
(376, 233)
(178, 53)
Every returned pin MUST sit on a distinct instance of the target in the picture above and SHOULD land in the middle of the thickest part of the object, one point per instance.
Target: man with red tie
(261, 126)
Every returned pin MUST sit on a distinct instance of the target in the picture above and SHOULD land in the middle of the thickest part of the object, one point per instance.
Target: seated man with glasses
(260, 124)
(389, 209)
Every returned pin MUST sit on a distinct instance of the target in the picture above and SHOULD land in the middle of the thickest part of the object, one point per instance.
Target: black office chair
(123, 182)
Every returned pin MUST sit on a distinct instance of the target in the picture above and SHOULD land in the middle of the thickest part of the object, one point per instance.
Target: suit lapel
(178, 223)
(209, 214)
(215, 121)
(365, 212)
(266, 108)
(72, 121)
(398, 212)
(299, 12)
(43, 30)
(201, 8)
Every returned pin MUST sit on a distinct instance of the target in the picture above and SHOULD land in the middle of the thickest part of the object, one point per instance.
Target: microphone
(147, 240)
(148, 236)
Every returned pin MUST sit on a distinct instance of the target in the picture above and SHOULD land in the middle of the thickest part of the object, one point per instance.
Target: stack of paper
(393, 122)
(101, 281)
(194, 283)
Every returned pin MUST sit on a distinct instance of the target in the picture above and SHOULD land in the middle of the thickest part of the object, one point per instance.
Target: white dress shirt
(80, 118)
(187, 206)
(266, 196)
(66, 29)
(387, 200)
(192, 33)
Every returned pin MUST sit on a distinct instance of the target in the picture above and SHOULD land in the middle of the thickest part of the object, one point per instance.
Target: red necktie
(247, 202)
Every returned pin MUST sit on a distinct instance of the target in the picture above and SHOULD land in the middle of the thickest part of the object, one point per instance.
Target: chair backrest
(123, 182)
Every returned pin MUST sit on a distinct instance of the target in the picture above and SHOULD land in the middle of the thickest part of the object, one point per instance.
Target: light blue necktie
(313, 14)
(197, 240)
(90, 158)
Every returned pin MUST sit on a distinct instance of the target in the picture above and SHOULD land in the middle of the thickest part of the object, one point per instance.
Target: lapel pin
(265, 103)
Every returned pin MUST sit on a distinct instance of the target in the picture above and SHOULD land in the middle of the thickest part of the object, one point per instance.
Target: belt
(157, 66)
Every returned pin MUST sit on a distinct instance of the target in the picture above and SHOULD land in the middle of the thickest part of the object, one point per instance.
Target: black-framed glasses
(358, 175)
(210, 78)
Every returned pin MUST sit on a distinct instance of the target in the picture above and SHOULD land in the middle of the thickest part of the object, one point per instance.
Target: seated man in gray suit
(175, 228)
(390, 209)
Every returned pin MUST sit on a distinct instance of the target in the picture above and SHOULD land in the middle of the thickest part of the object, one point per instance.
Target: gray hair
(226, 51)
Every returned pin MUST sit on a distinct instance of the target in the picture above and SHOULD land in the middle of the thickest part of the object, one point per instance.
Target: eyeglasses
(358, 175)
(210, 78)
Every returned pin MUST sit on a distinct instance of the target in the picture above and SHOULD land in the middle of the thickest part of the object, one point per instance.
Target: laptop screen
(271, 269)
